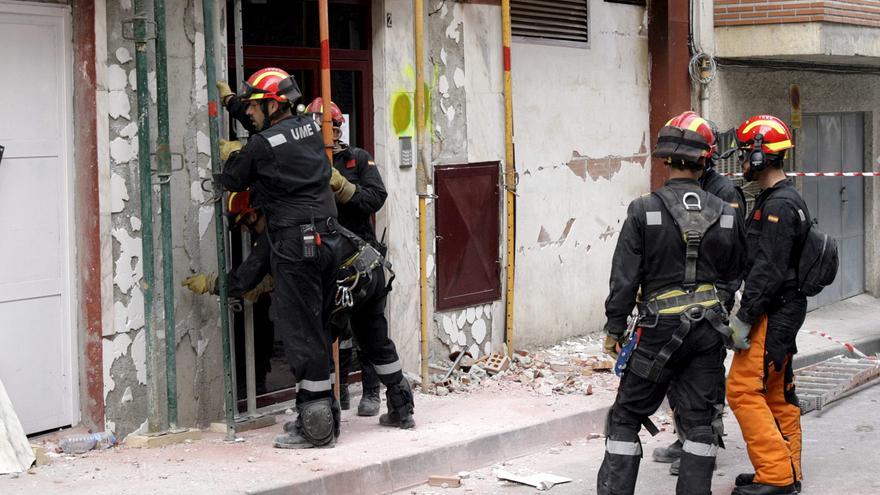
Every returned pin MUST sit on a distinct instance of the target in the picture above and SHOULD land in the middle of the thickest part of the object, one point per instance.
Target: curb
(401, 472)
(868, 345)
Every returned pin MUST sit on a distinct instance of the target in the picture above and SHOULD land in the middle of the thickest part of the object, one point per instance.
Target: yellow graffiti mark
(402, 114)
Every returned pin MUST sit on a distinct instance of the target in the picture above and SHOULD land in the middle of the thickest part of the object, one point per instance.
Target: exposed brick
(724, 17)
(768, 7)
(740, 9)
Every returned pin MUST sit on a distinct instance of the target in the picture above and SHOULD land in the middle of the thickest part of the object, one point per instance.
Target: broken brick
(444, 481)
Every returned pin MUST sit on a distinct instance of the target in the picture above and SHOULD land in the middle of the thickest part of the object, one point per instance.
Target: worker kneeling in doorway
(675, 244)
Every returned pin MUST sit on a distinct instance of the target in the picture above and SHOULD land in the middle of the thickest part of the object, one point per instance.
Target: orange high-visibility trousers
(771, 426)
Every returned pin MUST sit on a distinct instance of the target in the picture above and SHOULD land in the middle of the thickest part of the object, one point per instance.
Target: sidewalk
(499, 419)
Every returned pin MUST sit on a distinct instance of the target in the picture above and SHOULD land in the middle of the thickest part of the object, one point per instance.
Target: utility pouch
(309, 241)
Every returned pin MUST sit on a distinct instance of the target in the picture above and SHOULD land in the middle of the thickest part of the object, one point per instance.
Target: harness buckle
(695, 204)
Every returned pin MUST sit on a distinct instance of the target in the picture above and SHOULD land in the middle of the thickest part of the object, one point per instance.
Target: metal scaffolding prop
(219, 215)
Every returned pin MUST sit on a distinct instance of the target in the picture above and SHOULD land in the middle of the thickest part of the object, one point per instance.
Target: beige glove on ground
(224, 90)
(341, 187)
(201, 283)
(227, 148)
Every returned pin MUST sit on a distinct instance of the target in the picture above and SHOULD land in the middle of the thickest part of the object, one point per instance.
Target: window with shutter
(562, 20)
(468, 234)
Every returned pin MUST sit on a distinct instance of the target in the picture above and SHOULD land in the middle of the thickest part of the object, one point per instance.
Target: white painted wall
(569, 101)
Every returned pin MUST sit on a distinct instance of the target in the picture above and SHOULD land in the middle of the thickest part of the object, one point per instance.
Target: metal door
(833, 143)
(36, 354)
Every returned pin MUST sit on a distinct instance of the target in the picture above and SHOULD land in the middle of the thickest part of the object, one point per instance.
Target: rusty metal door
(468, 234)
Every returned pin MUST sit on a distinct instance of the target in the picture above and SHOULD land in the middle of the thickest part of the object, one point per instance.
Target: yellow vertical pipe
(509, 173)
(421, 183)
(327, 129)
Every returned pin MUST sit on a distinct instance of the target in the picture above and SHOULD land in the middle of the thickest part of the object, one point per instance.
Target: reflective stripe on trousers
(700, 449)
(387, 369)
(618, 447)
(315, 386)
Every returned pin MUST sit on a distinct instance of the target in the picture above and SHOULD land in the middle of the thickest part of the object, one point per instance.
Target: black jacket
(714, 183)
(252, 270)
(359, 168)
(775, 229)
(288, 171)
(650, 253)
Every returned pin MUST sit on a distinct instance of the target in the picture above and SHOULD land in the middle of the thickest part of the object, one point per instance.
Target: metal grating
(833, 379)
(562, 20)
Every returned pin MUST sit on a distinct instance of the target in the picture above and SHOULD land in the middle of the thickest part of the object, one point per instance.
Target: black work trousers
(370, 329)
(697, 367)
(301, 304)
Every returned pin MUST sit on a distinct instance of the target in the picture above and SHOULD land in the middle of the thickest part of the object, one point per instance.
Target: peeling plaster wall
(582, 143)
(737, 94)
(463, 71)
(199, 353)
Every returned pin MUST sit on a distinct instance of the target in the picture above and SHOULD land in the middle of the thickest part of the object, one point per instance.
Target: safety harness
(355, 273)
(694, 213)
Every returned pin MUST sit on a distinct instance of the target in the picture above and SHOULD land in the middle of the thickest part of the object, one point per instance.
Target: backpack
(818, 263)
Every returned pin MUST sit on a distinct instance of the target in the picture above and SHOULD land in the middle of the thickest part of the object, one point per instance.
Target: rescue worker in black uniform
(366, 286)
(285, 166)
(675, 244)
(760, 386)
(249, 281)
(722, 187)
(362, 196)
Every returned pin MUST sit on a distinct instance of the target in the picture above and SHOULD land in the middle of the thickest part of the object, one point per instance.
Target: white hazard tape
(851, 348)
(816, 174)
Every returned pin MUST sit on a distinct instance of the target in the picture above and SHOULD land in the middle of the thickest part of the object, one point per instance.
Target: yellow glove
(341, 187)
(612, 345)
(201, 283)
(265, 285)
(224, 90)
(227, 148)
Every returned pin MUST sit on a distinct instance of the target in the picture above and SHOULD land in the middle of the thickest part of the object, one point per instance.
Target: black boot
(695, 474)
(762, 489)
(400, 406)
(619, 470)
(370, 402)
(749, 478)
(667, 454)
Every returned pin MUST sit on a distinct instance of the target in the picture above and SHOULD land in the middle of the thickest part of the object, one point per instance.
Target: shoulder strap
(694, 212)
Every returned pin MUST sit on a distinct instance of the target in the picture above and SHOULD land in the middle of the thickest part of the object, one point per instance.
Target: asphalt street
(841, 456)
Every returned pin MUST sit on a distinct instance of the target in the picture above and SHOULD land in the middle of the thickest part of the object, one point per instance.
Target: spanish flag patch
(772, 218)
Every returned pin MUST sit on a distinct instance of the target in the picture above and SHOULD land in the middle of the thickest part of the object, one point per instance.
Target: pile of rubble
(574, 366)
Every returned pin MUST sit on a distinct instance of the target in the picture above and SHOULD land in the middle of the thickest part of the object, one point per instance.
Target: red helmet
(317, 106)
(776, 137)
(238, 205)
(686, 137)
(271, 83)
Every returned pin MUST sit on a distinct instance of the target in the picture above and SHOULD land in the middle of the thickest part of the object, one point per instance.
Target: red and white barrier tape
(851, 348)
(816, 174)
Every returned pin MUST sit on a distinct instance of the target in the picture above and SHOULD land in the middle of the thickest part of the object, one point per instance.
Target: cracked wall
(582, 144)
(198, 344)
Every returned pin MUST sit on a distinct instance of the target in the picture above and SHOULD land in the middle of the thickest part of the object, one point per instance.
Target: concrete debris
(541, 481)
(444, 481)
(574, 367)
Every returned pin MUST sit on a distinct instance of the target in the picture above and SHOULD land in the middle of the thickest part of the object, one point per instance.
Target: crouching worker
(675, 244)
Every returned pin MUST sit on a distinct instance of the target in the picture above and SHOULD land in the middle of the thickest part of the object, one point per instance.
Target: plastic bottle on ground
(77, 444)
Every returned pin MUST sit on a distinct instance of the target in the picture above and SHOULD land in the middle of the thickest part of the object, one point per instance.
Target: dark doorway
(285, 34)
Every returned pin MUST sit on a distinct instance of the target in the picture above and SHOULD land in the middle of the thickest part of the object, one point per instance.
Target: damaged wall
(582, 144)
(462, 72)
(738, 93)
(199, 356)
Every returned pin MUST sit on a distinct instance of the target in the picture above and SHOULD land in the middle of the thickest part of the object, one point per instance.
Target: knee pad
(318, 421)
